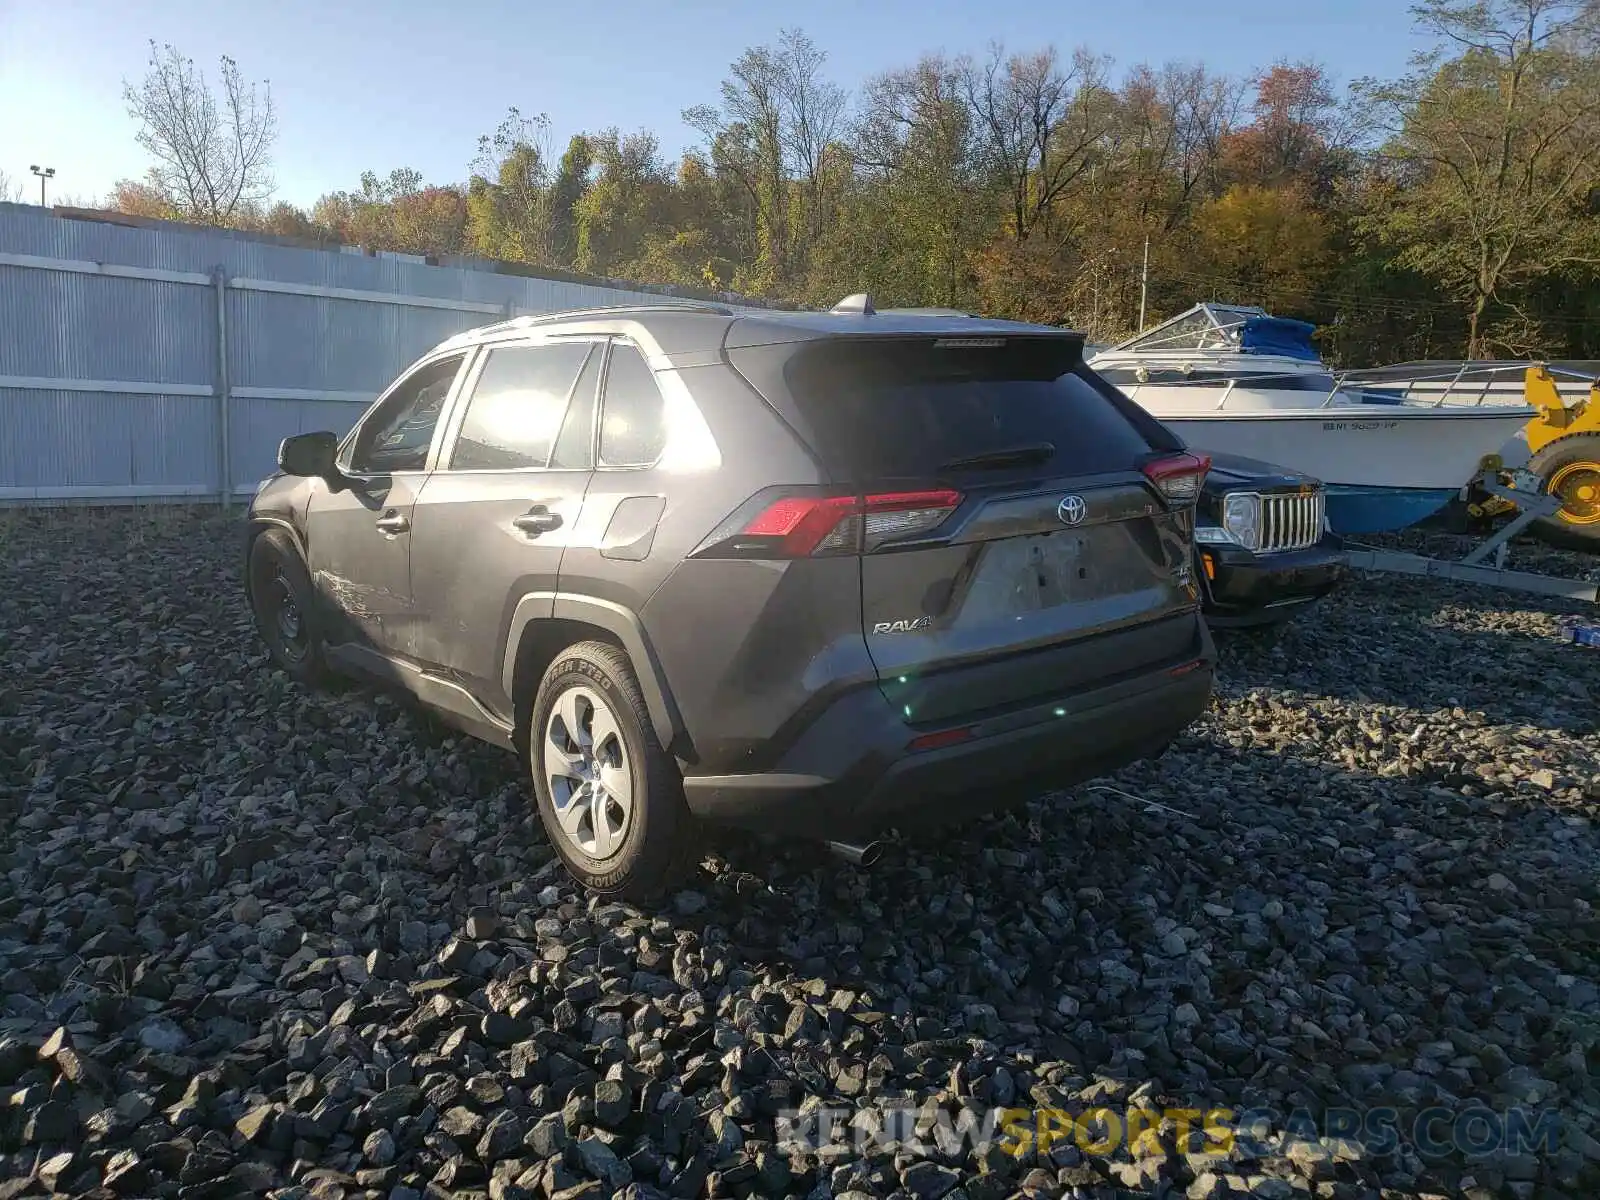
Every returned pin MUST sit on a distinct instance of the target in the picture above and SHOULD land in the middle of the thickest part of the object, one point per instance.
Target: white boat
(1237, 380)
(1471, 381)
(1434, 382)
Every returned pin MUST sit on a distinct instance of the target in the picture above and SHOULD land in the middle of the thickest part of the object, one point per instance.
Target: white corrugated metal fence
(164, 363)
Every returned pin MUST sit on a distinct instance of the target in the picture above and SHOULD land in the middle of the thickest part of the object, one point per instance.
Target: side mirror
(310, 455)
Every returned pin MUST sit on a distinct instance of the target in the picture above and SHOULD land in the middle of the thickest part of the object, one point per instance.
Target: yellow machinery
(1565, 444)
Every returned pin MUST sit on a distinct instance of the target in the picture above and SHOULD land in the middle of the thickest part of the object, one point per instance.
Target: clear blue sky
(377, 84)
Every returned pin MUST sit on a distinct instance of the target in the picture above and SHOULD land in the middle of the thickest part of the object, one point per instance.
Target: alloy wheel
(587, 769)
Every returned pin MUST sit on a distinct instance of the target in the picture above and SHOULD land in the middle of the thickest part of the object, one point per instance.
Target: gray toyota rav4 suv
(808, 573)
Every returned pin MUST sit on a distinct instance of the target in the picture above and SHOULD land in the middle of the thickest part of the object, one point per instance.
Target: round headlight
(1241, 517)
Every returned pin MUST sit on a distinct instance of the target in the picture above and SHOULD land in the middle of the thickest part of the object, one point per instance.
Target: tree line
(1453, 211)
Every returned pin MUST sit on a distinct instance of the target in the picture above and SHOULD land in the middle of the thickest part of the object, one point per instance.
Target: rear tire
(1569, 467)
(284, 605)
(609, 797)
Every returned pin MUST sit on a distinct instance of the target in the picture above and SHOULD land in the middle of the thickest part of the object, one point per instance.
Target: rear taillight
(937, 741)
(890, 515)
(1178, 476)
(801, 526)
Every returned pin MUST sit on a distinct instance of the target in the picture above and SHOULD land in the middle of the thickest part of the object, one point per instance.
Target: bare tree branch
(777, 131)
(1041, 125)
(213, 156)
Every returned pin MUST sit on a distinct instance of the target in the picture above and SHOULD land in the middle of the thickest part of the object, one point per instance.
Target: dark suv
(808, 573)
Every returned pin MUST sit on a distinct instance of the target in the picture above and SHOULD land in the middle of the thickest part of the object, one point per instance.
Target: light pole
(43, 173)
(1144, 281)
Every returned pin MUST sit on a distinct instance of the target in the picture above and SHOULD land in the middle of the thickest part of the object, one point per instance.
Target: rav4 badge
(904, 626)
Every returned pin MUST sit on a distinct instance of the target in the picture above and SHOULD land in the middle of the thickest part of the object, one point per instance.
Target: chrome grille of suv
(1292, 521)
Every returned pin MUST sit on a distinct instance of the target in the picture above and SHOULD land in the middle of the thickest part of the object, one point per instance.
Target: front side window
(633, 416)
(516, 407)
(398, 434)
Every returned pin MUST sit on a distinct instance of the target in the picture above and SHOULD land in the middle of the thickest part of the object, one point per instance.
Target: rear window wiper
(1011, 456)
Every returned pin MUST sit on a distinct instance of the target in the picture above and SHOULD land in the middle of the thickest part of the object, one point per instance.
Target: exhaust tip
(856, 854)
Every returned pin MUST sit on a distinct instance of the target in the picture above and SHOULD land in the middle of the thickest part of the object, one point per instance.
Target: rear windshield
(906, 408)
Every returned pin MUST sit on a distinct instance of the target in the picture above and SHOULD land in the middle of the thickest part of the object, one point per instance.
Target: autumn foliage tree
(1266, 242)
(1452, 210)
(1493, 159)
(1298, 135)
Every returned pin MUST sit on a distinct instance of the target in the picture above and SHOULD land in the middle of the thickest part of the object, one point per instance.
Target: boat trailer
(1527, 495)
(1524, 492)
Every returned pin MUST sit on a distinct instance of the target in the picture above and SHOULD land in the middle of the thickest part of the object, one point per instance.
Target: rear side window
(906, 408)
(575, 447)
(516, 407)
(633, 416)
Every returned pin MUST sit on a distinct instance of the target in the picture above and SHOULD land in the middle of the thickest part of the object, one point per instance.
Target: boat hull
(1386, 464)
(1394, 447)
(1384, 471)
(1353, 510)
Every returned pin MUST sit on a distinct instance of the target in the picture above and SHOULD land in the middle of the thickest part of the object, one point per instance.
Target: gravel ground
(254, 941)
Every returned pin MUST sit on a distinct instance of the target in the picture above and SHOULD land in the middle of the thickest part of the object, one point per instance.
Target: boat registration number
(1358, 426)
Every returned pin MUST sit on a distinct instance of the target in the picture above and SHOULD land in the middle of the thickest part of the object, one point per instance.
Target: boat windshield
(1203, 327)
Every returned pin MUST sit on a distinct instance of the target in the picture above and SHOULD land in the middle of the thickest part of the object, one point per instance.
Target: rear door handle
(393, 522)
(537, 520)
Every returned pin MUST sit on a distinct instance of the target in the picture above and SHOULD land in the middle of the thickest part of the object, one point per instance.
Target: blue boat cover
(1278, 335)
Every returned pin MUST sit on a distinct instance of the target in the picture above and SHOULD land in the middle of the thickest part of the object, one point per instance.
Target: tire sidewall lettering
(593, 673)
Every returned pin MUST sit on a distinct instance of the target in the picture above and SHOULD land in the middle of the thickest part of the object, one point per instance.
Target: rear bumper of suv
(856, 769)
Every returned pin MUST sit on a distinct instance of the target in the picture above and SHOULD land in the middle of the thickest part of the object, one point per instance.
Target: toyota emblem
(1072, 510)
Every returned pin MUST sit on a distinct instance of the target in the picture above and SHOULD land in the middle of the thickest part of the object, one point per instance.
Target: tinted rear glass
(906, 407)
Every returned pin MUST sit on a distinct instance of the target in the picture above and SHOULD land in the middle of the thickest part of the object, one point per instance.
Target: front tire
(1570, 469)
(283, 604)
(609, 797)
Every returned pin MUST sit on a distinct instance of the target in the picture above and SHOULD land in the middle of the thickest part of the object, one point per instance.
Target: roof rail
(530, 320)
(859, 304)
(706, 306)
